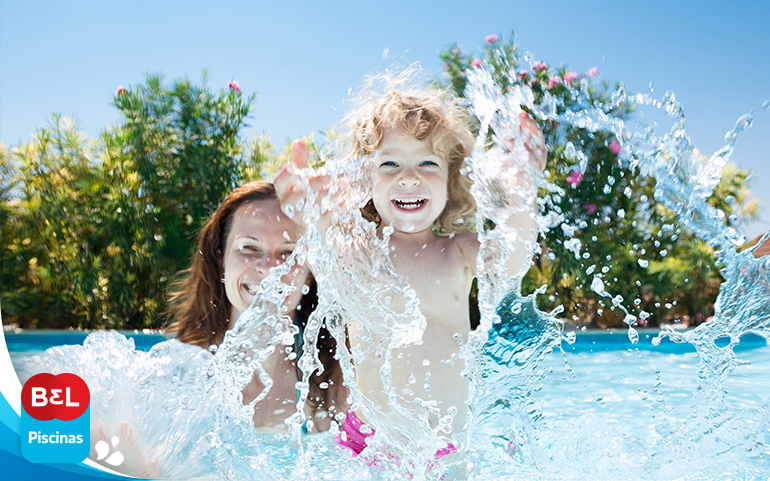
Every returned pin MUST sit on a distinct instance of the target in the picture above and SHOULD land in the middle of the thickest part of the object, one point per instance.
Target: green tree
(96, 230)
(610, 226)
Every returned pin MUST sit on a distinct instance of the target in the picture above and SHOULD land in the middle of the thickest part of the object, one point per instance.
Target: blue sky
(302, 57)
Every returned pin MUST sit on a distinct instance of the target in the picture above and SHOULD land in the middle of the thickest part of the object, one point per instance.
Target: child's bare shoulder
(467, 243)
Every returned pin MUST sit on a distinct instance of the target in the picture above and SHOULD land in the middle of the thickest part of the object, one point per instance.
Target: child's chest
(441, 278)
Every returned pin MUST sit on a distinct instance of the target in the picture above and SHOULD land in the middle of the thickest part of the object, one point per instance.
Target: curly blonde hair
(430, 115)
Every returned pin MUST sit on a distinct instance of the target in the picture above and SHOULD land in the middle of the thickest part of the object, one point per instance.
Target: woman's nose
(263, 265)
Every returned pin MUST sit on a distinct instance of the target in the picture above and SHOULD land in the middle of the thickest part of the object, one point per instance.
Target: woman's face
(260, 237)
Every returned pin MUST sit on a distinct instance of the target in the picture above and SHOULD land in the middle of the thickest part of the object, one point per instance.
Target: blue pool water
(544, 404)
(602, 408)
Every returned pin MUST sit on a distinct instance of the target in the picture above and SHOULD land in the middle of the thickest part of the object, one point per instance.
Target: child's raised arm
(523, 197)
(292, 190)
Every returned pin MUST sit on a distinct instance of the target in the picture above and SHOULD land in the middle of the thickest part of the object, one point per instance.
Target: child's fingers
(284, 183)
(299, 154)
(320, 183)
(535, 143)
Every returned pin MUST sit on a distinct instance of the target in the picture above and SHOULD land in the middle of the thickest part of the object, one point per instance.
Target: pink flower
(492, 38)
(593, 72)
(446, 66)
(456, 51)
(522, 75)
(539, 66)
(233, 84)
(590, 208)
(575, 178)
(476, 63)
(570, 76)
(121, 91)
(615, 147)
(553, 82)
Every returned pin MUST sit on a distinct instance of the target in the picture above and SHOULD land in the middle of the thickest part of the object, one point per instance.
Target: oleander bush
(94, 230)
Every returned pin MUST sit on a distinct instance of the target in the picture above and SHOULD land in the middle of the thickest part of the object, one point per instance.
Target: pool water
(621, 412)
(601, 408)
(605, 409)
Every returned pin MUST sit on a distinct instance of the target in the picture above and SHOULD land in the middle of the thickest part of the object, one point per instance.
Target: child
(420, 141)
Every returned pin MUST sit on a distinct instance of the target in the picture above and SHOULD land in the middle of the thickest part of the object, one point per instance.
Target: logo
(55, 419)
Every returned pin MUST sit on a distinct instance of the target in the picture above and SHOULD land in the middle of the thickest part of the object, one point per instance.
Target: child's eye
(430, 163)
(388, 163)
(285, 254)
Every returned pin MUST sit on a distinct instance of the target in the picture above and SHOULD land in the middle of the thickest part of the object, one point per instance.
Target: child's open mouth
(410, 204)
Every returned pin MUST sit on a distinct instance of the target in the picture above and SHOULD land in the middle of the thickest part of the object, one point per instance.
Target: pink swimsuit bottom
(355, 440)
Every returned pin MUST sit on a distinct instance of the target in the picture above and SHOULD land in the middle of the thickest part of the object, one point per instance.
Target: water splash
(197, 395)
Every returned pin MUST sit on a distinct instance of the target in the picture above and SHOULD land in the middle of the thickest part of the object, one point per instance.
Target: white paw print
(102, 449)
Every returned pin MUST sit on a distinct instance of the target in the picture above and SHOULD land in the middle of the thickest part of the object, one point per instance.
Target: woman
(246, 236)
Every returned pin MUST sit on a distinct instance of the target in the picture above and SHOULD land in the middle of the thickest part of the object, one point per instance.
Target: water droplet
(643, 262)
(597, 285)
(633, 336)
(289, 211)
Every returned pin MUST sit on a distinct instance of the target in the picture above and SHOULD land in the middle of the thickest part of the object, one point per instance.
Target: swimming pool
(605, 409)
(25, 344)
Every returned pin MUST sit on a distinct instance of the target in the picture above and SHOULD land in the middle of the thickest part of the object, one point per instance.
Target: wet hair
(432, 116)
(198, 306)
(199, 310)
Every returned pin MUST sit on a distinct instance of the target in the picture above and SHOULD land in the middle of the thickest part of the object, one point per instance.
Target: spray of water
(186, 402)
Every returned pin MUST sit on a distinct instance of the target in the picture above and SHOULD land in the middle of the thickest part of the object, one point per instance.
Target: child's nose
(408, 178)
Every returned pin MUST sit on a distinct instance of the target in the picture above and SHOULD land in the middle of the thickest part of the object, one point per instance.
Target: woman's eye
(285, 254)
(248, 248)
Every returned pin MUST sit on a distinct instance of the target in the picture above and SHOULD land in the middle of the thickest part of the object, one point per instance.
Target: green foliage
(94, 231)
(662, 272)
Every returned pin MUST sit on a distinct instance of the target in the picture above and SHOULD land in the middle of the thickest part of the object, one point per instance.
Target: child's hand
(291, 190)
(533, 140)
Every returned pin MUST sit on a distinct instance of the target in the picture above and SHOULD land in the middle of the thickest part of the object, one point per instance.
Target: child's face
(409, 183)
(260, 237)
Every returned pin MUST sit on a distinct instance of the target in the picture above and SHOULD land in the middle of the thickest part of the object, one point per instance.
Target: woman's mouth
(409, 204)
